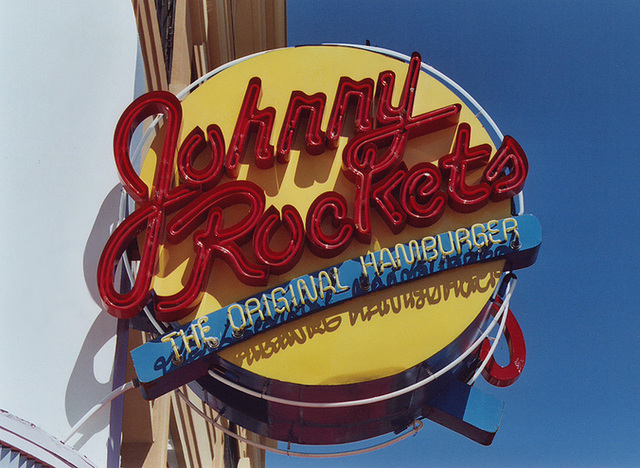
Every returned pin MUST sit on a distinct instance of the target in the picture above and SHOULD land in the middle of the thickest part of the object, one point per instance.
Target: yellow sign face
(386, 331)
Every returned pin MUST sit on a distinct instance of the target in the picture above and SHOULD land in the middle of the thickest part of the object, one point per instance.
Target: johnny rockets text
(372, 160)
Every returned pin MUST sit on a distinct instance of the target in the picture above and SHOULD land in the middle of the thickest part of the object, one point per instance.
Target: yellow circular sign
(380, 334)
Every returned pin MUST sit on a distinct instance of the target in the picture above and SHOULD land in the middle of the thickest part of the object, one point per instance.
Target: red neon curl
(509, 156)
(224, 241)
(286, 259)
(128, 305)
(388, 114)
(349, 91)
(250, 118)
(151, 214)
(385, 196)
(457, 164)
(192, 146)
(148, 105)
(504, 376)
(363, 165)
(334, 205)
(313, 107)
(421, 196)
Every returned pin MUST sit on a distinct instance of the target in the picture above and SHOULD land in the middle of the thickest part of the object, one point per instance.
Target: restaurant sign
(321, 238)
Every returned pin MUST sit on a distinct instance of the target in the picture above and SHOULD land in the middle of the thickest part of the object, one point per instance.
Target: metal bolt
(177, 362)
(213, 343)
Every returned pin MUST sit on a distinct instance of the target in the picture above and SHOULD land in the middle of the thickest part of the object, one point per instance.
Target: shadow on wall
(92, 375)
(104, 224)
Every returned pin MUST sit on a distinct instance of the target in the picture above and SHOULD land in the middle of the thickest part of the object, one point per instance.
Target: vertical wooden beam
(182, 57)
(198, 20)
(254, 456)
(145, 425)
(279, 33)
(161, 414)
(151, 45)
(219, 39)
(219, 443)
(137, 432)
(249, 26)
(195, 451)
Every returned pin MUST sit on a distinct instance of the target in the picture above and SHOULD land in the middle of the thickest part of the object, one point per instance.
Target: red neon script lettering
(151, 215)
(361, 159)
(372, 161)
(216, 240)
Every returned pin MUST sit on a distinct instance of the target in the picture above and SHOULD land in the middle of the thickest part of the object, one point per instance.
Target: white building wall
(66, 74)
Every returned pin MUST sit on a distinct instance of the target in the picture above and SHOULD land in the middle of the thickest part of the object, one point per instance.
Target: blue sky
(561, 78)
